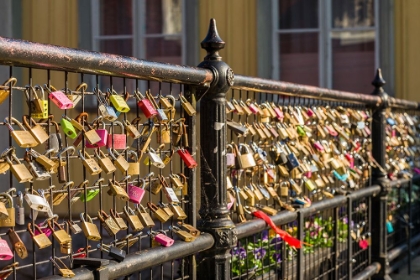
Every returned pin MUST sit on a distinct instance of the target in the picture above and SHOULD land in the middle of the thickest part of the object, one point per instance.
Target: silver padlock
(20, 210)
(37, 202)
(37, 170)
(155, 159)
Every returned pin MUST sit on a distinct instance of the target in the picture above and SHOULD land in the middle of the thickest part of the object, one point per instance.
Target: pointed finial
(212, 43)
(378, 82)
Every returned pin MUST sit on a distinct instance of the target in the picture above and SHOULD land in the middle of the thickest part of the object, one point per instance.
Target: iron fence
(341, 217)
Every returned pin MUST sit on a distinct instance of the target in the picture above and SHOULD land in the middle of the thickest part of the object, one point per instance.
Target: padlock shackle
(82, 87)
(81, 117)
(128, 210)
(133, 154)
(138, 95)
(152, 206)
(66, 150)
(9, 198)
(13, 120)
(49, 151)
(11, 80)
(36, 227)
(95, 122)
(54, 223)
(114, 213)
(82, 218)
(152, 99)
(118, 123)
(102, 215)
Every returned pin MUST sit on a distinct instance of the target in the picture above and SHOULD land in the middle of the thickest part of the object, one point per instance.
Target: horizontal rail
(257, 225)
(290, 89)
(398, 183)
(398, 251)
(368, 272)
(369, 191)
(323, 205)
(35, 55)
(395, 266)
(145, 259)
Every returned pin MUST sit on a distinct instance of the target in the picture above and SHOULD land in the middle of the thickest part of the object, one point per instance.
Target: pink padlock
(279, 113)
(5, 252)
(135, 193)
(46, 230)
(309, 112)
(187, 158)
(230, 156)
(318, 146)
(162, 239)
(102, 132)
(59, 98)
(117, 141)
(252, 106)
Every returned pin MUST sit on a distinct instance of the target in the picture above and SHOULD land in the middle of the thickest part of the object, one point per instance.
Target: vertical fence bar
(379, 176)
(213, 134)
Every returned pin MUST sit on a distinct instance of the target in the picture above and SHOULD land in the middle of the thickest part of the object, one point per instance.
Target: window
(326, 43)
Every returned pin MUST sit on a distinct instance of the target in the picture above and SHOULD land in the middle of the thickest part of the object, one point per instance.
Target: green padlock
(300, 131)
(91, 193)
(68, 128)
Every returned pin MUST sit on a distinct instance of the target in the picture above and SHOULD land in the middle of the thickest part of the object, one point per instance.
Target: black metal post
(214, 214)
(379, 203)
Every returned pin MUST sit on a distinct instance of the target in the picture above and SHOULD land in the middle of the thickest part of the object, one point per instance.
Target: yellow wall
(236, 23)
(407, 45)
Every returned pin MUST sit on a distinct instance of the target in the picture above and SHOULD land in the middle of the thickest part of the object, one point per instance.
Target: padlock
(164, 135)
(179, 213)
(136, 193)
(118, 220)
(161, 238)
(177, 130)
(175, 179)
(76, 95)
(90, 230)
(257, 192)
(22, 137)
(144, 216)
(158, 212)
(55, 142)
(238, 108)
(68, 128)
(141, 144)
(38, 172)
(19, 170)
(89, 194)
(41, 240)
(91, 135)
(120, 162)
(108, 223)
(113, 252)
(5, 252)
(186, 157)
(133, 219)
(20, 210)
(155, 159)
(245, 160)
(101, 132)
(48, 164)
(64, 271)
(131, 130)
(59, 98)
(115, 189)
(17, 244)
(187, 105)
(117, 141)
(105, 162)
(36, 130)
(90, 164)
(161, 115)
(75, 228)
(60, 235)
(145, 105)
(62, 171)
(106, 110)
(34, 103)
(36, 202)
(60, 195)
(8, 221)
(118, 102)
(6, 87)
(182, 234)
(133, 164)
(189, 228)
(169, 192)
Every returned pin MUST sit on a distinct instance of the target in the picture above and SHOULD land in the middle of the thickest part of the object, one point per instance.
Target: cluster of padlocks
(286, 157)
(102, 146)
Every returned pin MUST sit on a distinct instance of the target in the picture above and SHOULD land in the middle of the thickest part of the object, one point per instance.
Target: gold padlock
(134, 165)
(39, 134)
(185, 236)
(166, 209)
(19, 170)
(22, 137)
(5, 88)
(41, 240)
(179, 213)
(117, 218)
(17, 244)
(144, 216)
(131, 130)
(116, 190)
(105, 162)
(65, 272)
(159, 213)
(189, 228)
(89, 229)
(48, 164)
(10, 220)
(90, 164)
(108, 223)
(133, 219)
(267, 209)
(187, 105)
(60, 235)
(119, 160)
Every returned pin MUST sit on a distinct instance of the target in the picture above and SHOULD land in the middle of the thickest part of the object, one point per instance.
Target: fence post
(379, 176)
(215, 219)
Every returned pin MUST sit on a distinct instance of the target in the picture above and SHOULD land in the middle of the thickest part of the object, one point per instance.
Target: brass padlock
(117, 218)
(75, 228)
(159, 213)
(166, 209)
(108, 223)
(116, 190)
(10, 220)
(187, 105)
(65, 272)
(131, 130)
(22, 137)
(41, 240)
(60, 235)
(267, 209)
(284, 189)
(89, 229)
(246, 160)
(185, 236)
(179, 213)
(19, 170)
(105, 162)
(189, 228)
(134, 165)
(3, 211)
(120, 162)
(48, 164)
(39, 134)
(133, 219)
(90, 164)
(17, 244)
(5, 88)
(144, 216)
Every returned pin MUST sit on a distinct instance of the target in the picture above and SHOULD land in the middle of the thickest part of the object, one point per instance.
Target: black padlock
(113, 252)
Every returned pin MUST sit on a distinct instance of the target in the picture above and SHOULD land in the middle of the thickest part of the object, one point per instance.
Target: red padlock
(118, 141)
(102, 132)
(136, 193)
(187, 158)
(5, 252)
(145, 105)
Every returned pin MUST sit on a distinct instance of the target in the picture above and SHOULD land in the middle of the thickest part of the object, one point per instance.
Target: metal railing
(223, 248)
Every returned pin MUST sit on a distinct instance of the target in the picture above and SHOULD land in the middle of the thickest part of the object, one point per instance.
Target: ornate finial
(378, 82)
(212, 43)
